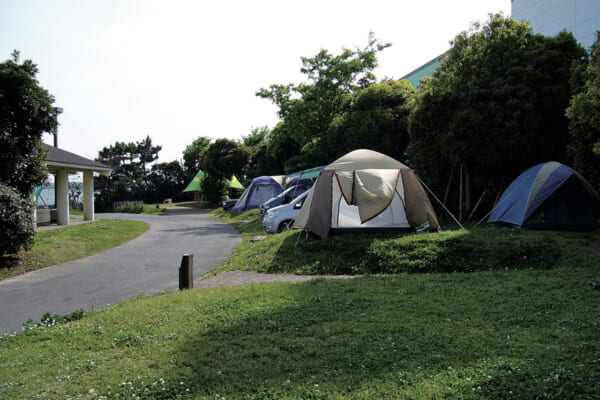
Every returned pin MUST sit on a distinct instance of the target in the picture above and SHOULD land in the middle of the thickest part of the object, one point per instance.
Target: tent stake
(438, 200)
(298, 238)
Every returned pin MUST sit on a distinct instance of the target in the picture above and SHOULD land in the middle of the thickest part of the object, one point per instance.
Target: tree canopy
(494, 107)
(193, 154)
(584, 116)
(220, 161)
(129, 178)
(307, 109)
(165, 180)
(26, 112)
(376, 119)
(260, 160)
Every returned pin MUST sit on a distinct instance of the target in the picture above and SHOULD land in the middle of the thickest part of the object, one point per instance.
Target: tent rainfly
(260, 190)
(548, 196)
(310, 173)
(196, 184)
(366, 191)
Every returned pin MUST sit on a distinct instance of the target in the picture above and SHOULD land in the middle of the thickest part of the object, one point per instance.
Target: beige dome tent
(366, 191)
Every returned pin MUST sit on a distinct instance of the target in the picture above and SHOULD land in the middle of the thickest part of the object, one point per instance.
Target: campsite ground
(526, 328)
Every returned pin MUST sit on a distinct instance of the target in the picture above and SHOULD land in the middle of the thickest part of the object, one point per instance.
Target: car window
(299, 204)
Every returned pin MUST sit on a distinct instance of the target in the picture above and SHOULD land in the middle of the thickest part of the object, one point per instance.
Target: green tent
(234, 183)
(195, 184)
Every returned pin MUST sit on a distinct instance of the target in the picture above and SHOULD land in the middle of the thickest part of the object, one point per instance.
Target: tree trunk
(468, 191)
(448, 187)
(460, 196)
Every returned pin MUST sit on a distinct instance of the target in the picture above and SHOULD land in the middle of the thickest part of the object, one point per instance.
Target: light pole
(57, 110)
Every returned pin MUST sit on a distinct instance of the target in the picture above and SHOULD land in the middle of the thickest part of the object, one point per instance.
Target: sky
(176, 70)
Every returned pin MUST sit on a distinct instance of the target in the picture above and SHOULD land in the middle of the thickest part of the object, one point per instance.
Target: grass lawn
(486, 335)
(69, 243)
(522, 323)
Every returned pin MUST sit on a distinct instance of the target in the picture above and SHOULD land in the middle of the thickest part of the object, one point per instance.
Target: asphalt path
(147, 265)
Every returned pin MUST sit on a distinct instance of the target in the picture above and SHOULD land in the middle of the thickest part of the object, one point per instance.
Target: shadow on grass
(9, 261)
(378, 337)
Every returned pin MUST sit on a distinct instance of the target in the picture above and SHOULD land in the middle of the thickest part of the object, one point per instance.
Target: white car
(281, 218)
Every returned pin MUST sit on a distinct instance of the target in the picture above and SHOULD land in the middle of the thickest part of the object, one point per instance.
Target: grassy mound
(447, 251)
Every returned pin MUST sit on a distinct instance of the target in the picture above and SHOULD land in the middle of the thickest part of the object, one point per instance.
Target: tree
(260, 161)
(146, 153)
(221, 159)
(166, 180)
(192, 156)
(494, 107)
(256, 136)
(307, 109)
(128, 180)
(376, 119)
(16, 219)
(284, 149)
(75, 190)
(26, 112)
(584, 117)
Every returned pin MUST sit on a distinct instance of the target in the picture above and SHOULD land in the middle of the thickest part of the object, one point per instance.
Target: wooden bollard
(186, 272)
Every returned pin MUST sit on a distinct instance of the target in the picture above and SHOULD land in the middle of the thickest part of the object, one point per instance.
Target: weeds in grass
(486, 335)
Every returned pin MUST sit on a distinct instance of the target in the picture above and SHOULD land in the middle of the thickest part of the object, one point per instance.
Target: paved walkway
(146, 265)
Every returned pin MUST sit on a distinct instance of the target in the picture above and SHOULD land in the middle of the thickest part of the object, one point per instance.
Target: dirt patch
(237, 278)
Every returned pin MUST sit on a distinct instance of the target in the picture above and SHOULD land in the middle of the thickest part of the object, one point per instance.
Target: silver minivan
(281, 218)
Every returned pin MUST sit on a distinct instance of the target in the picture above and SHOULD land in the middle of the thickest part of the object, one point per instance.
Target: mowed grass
(486, 335)
(69, 243)
(520, 322)
(453, 250)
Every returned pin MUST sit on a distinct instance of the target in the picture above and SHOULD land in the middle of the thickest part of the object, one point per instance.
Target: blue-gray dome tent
(548, 196)
(260, 190)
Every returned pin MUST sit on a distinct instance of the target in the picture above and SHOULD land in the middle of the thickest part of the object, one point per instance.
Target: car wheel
(285, 226)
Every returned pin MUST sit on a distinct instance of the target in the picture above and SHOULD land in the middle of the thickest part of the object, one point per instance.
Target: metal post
(186, 272)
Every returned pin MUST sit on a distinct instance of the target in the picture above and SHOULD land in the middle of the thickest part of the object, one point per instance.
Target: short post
(186, 272)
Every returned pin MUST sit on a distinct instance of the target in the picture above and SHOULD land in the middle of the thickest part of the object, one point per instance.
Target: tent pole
(477, 205)
(488, 214)
(438, 200)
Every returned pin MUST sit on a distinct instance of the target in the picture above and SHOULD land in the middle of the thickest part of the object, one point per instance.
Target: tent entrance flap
(344, 215)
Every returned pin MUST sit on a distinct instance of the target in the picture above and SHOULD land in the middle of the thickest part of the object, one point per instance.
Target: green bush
(16, 220)
(130, 207)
